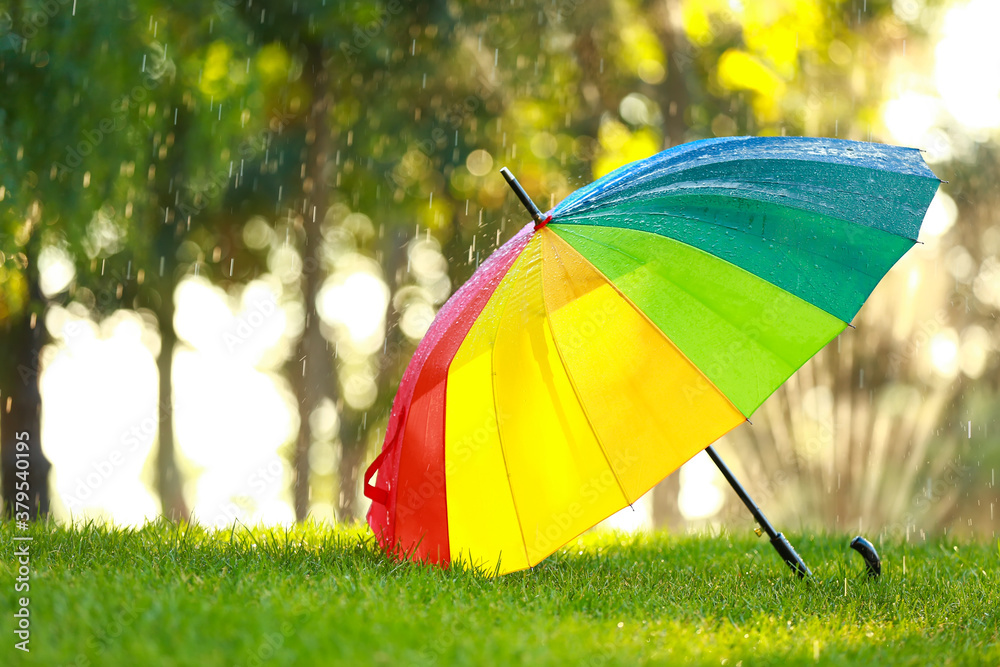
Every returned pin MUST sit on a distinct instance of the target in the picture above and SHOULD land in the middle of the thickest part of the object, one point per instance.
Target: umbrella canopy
(641, 319)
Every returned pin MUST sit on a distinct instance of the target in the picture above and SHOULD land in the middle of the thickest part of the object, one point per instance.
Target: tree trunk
(352, 455)
(312, 370)
(170, 222)
(168, 478)
(673, 94)
(21, 403)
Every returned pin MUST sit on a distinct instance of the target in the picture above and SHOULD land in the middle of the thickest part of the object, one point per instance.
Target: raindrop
(143, 63)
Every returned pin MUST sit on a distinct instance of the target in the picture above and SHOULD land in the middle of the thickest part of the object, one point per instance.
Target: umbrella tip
(536, 215)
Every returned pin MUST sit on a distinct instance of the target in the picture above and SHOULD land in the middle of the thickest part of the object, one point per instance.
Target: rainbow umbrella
(626, 330)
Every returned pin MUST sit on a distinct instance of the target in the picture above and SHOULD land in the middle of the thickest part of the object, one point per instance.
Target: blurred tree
(49, 191)
(369, 135)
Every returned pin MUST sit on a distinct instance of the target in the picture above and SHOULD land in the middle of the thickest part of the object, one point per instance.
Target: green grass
(177, 595)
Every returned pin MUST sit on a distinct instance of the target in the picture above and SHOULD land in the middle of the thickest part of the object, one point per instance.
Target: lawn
(176, 595)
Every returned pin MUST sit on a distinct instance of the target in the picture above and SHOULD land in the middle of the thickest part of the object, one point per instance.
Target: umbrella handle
(791, 556)
(778, 541)
(867, 551)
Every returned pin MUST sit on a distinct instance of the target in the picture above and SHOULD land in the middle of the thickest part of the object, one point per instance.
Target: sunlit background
(891, 428)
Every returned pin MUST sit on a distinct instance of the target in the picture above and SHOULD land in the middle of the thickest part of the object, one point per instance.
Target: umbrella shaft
(536, 215)
(742, 493)
(778, 541)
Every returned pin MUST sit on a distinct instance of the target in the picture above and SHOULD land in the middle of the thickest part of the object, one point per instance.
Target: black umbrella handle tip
(536, 215)
(867, 551)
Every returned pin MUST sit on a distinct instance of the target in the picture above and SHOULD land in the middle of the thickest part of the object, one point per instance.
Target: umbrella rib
(597, 215)
(682, 187)
(681, 288)
(576, 393)
(797, 203)
(667, 338)
(724, 184)
(496, 408)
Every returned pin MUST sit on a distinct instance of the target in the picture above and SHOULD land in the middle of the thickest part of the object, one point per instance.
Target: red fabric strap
(373, 492)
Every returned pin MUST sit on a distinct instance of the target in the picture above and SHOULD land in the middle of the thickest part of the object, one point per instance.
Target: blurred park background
(225, 226)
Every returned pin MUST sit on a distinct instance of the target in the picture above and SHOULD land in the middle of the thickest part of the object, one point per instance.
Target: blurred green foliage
(136, 134)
